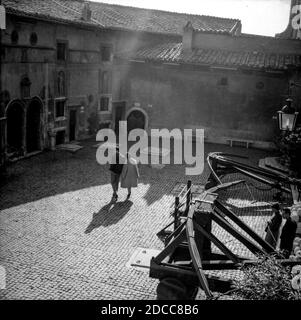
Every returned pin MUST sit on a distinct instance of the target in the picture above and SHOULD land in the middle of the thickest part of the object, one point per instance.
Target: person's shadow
(109, 214)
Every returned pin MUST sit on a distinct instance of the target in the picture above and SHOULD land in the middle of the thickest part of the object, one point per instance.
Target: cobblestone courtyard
(61, 239)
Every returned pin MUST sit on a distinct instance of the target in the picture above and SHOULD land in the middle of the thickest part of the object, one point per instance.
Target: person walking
(130, 174)
(288, 233)
(273, 226)
(116, 166)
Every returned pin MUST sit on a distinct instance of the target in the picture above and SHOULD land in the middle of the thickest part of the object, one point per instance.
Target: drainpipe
(2, 121)
(45, 131)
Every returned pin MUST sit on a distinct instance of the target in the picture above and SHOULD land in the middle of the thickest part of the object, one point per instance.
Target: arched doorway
(136, 119)
(33, 126)
(15, 116)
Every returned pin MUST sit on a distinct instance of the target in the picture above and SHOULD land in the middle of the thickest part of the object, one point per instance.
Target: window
(14, 37)
(105, 82)
(104, 103)
(61, 87)
(24, 55)
(60, 108)
(33, 39)
(25, 87)
(60, 137)
(106, 52)
(61, 51)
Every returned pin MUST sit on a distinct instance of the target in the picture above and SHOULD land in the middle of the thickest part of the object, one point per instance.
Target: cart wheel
(174, 289)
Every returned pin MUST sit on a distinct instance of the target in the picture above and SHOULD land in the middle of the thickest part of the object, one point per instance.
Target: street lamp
(287, 117)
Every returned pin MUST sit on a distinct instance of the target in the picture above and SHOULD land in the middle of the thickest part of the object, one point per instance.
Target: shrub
(290, 146)
(267, 280)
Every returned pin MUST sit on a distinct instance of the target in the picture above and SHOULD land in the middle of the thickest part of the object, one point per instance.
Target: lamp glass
(287, 121)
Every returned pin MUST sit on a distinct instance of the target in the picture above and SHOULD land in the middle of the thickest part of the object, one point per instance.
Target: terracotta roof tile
(172, 52)
(51, 10)
(120, 17)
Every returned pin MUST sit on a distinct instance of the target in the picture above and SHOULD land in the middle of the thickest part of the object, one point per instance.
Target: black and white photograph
(150, 151)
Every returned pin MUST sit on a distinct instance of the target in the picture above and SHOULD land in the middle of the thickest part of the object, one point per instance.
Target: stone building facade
(70, 67)
(231, 86)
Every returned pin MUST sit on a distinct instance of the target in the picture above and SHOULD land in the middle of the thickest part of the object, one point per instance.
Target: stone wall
(82, 71)
(241, 106)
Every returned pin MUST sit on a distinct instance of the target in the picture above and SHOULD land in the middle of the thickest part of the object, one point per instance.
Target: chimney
(187, 40)
(86, 12)
(293, 30)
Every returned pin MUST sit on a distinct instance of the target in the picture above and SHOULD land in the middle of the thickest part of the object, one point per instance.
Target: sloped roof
(172, 53)
(52, 10)
(121, 17)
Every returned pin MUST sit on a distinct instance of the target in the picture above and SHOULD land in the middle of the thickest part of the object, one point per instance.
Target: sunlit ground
(62, 239)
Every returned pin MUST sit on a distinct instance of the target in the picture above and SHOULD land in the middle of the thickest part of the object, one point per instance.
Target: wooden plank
(230, 265)
(188, 196)
(225, 186)
(220, 265)
(168, 250)
(175, 232)
(229, 162)
(176, 209)
(162, 270)
(266, 246)
(195, 256)
(260, 179)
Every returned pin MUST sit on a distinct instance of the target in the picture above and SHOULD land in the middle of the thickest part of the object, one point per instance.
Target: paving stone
(60, 238)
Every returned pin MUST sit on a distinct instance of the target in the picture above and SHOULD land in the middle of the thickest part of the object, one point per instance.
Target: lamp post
(287, 117)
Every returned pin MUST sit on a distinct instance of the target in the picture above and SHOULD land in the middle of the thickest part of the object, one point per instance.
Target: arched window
(61, 84)
(25, 87)
(4, 100)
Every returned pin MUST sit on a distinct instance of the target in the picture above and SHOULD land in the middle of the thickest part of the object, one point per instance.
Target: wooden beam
(266, 246)
(176, 232)
(229, 228)
(217, 242)
(171, 246)
(194, 253)
(260, 179)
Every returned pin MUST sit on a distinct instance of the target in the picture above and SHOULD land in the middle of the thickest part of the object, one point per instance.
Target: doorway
(15, 127)
(33, 126)
(72, 124)
(136, 120)
(119, 110)
(60, 137)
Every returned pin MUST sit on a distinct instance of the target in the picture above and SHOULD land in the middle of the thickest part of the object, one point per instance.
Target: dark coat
(288, 235)
(118, 166)
(272, 229)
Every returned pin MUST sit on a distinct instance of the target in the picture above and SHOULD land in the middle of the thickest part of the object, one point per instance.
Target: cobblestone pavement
(61, 239)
